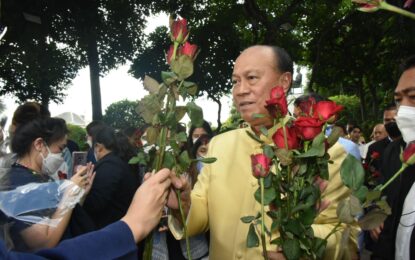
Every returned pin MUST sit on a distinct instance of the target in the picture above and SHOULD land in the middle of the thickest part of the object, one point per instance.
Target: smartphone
(78, 158)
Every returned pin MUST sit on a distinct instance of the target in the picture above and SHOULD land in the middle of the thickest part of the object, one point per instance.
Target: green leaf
(195, 113)
(294, 226)
(352, 172)
(268, 181)
(269, 195)
(148, 107)
(141, 158)
(313, 152)
(183, 67)
(268, 151)
(191, 87)
(318, 140)
(361, 193)
(308, 216)
(344, 211)
(181, 137)
(152, 134)
(252, 239)
(355, 206)
(180, 112)
(372, 219)
(207, 160)
(134, 160)
(168, 77)
(169, 160)
(151, 85)
(184, 160)
(291, 249)
(384, 206)
(247, 219)
(373, 195)
(319, 247)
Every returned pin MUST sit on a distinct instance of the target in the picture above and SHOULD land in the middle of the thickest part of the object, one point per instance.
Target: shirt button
(239, 254)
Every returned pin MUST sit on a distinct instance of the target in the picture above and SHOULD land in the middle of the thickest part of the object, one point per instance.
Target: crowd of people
(118, 204)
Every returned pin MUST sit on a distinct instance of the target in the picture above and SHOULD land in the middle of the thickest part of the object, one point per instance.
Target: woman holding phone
(38, 145)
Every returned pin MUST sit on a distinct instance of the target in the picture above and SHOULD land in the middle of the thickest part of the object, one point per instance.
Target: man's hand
(374, 233)
(148, 203)
(180, 183)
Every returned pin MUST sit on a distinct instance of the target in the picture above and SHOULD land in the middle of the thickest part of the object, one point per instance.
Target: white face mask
(405, 119)
(52, 162)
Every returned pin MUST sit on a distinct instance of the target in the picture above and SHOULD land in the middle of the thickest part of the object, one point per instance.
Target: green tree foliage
(122, 114)
(351, 108)
(78, 135)
(33, 65)
(100, 33)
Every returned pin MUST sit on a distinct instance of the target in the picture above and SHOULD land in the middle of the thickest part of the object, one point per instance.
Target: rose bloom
(408, 155)
(292, 139)
(260, 165)
(375, 155)
(179, 31)
(307, 127)
(277, 104)
(188, 50)
(324, 110)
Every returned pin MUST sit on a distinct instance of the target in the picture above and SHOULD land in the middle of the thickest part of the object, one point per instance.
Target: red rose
(408, 3)
(408, 155)
(170, 54)
(376, 174)
(277, 104)
(188, 50)
(308, 127)
(375, 155)
(260, 165)
(307, 106)
(292, 139)
(179, 31)
(324, 110)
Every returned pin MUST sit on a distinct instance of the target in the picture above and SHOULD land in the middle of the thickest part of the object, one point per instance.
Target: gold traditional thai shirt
(224, 193)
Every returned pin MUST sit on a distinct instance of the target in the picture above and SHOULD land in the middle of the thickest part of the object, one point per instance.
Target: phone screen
(78, 158)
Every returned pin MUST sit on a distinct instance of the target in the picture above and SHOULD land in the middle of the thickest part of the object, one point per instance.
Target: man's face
(355, 135)
(405, 91)
(254, 75)
(389, 116)
(379, 132)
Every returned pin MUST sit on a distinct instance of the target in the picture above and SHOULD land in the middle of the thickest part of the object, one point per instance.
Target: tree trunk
(217, 100)
(362, 100)
(93, 59)
(43, 65)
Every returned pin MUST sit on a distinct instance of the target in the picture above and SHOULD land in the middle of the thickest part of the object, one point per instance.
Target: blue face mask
(199, 165)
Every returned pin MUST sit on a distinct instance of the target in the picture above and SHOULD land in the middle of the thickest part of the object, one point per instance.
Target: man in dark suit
(118, 240)
(390, 238)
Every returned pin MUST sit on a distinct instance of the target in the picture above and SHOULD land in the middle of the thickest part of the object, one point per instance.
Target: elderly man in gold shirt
(224, 190)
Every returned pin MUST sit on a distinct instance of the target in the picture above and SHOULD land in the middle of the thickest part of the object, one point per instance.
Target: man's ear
(285, 81)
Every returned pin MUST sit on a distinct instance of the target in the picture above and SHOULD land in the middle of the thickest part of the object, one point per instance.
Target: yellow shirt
(224, 193)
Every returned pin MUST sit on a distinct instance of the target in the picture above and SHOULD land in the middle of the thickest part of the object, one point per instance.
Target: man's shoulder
(236, 133)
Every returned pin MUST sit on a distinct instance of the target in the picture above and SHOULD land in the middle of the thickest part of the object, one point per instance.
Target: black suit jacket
(396, 194)
(112, 191)
(379, 147)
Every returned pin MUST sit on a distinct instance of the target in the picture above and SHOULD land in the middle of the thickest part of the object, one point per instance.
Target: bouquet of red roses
(287, 171)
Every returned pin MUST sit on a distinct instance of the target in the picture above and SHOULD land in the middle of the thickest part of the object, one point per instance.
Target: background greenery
(347, 52)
